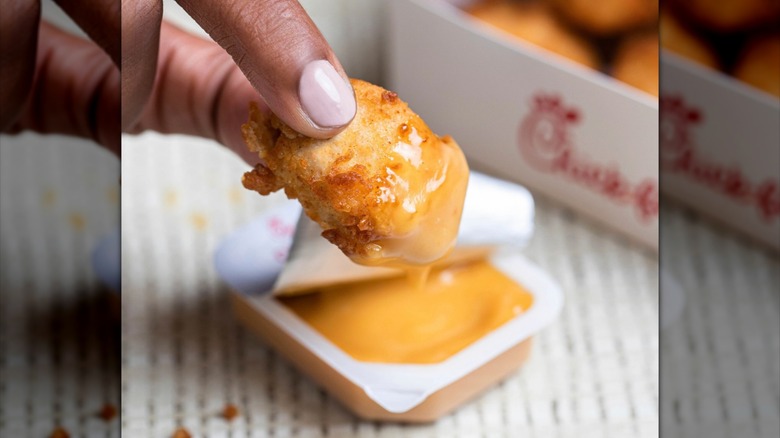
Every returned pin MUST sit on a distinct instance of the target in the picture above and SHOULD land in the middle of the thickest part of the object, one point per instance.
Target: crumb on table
(230, 412)
(59, 432)
(77, 221)
(108, 412)
(181, 433)
(199, 221)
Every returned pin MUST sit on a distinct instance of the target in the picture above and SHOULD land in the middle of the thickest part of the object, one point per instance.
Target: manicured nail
(325, 96)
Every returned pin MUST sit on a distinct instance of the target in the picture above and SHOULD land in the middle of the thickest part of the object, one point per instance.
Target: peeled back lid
(496, 214)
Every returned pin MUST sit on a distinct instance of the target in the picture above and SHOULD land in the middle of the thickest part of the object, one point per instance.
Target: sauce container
(250, 261)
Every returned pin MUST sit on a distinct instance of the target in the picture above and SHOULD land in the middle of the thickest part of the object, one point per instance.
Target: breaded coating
(386, 190)
(636, 62)
(536, 24)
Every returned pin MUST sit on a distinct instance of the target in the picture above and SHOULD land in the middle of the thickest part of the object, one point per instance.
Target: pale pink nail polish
(325, 96)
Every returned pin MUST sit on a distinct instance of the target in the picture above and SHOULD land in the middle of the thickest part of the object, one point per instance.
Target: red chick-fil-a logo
(679, 155)
(281, 229)
(546, 145)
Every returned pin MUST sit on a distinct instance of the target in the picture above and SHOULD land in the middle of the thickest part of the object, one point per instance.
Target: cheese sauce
(424, 187)
(389, 321)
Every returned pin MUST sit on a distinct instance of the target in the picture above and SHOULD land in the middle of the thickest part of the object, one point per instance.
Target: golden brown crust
(339, 181)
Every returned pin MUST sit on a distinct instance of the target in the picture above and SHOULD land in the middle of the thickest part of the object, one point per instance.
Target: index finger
(285, 57)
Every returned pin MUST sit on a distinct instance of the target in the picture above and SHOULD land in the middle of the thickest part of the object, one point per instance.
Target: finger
(100, 20)
(75, 90)
(285, 57)
(198, 91)
(18, 40)
(140, 42)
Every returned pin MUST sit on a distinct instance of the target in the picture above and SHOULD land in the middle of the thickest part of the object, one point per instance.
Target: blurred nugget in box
(636, 62)
(536, 24)
(759, 63)
(731, 15)
(680, 40)
(608, 17)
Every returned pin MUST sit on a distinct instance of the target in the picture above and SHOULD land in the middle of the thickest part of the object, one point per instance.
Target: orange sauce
(423, 187)
(390, 321)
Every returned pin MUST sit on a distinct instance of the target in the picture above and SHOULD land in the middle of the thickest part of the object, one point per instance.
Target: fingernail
(325, 96)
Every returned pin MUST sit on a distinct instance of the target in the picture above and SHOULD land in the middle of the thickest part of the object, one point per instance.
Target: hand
(171, 81)
(193, 86)
(54, 82)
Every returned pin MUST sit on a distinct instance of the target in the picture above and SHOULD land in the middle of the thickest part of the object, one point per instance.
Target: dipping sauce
(423, 190)
(390, 321)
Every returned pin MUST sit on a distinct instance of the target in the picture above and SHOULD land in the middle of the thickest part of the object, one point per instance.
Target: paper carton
(720, 148)
(522, 113)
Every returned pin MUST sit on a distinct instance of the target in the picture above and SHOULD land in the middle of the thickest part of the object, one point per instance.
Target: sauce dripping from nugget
(388, 321)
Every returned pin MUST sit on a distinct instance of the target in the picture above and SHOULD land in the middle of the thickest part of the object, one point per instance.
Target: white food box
(720, 148)
(528, 115)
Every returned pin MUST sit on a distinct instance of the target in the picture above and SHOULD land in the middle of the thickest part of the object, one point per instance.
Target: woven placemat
(59, 338)
(720, 359)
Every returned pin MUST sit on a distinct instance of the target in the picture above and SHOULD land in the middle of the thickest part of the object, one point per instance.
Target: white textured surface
(720, 360)
(592, 374)
(59, 343)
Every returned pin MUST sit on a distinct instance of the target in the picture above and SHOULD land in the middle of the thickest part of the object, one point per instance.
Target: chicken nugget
(386, 190)
(759, 63)
(731, 15)
(536, 24)
(608, 17)
(636, 62)
(681, 41)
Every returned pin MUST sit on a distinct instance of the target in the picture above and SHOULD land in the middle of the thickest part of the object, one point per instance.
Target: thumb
(286, 59)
